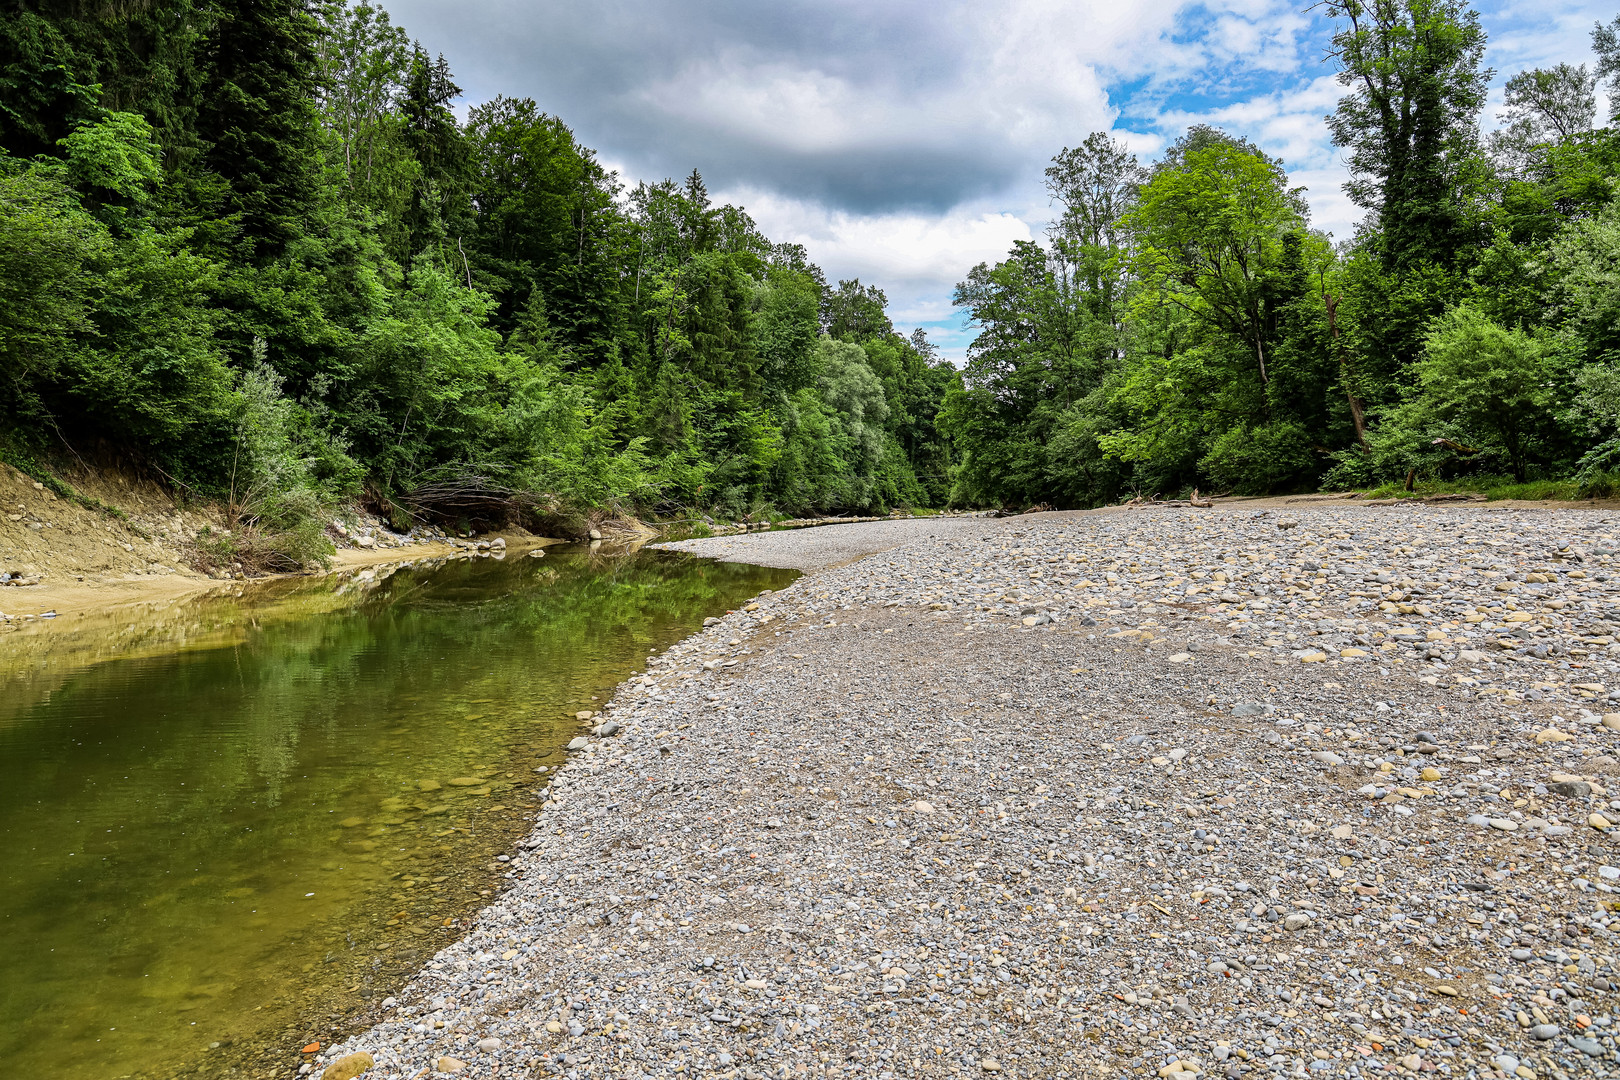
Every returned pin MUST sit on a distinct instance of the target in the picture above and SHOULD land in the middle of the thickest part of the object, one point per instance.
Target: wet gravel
(1321, 792)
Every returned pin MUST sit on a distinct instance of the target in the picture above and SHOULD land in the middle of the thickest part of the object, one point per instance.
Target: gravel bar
(828, 545)
(1166, 792)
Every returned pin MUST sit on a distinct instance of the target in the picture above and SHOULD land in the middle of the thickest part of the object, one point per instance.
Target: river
(229, 826)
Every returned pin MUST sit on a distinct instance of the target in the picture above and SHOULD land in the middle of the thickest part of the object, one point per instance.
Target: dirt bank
(126, 543)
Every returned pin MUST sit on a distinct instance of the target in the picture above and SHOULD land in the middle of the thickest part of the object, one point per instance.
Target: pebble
(348, 1067)
(963, 845)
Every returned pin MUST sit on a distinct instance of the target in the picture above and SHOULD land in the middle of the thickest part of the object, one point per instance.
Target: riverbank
(126, 543)
(63, 560)
(1050, 798)
(56, 604)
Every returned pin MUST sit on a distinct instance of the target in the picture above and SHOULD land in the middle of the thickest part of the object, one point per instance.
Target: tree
(1410, 120)
(697, 219)
(62, 64)
(1544, 105)
(545, 219)
(49, 252)
(1097, 185)
(115, 164)
(1211, 241)
(855, 405)
(788, 325)
(1558, 102)
(364, 61)
(855, 311)
(1488, 382)
(1027, 365)
(1606, 43)
(257, 122)
(1585, 261)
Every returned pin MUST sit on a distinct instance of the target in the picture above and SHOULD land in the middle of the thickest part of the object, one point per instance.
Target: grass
(27, 465)
(1494, 488)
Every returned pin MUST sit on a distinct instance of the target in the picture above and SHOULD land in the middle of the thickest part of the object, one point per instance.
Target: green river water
(230, 826)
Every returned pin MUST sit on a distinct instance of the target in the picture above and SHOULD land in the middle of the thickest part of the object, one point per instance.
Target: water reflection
(237, 820)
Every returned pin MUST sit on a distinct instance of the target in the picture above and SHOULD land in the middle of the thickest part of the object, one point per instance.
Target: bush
(277, 506)
(1483, 393)
(1261, 459)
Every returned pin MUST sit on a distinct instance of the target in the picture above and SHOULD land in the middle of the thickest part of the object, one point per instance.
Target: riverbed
(1174, 791)
(233, 823)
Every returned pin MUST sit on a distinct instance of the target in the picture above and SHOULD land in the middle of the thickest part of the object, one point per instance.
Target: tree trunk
(1356, 412)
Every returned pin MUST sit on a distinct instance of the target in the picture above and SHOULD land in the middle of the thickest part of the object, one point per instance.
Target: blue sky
(903, 141)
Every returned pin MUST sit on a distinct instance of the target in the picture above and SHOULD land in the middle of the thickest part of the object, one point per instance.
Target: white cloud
(916, 258)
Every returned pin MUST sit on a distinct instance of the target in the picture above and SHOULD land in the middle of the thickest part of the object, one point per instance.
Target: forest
(254, 250)
(1184, 325)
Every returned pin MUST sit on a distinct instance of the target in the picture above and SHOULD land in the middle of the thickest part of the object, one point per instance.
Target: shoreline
(77, 600)
(955, 811)
(28, 605)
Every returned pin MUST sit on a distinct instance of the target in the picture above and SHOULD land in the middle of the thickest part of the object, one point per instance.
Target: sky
(903, 141)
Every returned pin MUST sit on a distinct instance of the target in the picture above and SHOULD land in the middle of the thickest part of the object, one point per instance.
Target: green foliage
(49, 250)
(1481, 386)
(101, 333)
(115, 163)
(255, 246)
(1585, 259)
(1212, 235)
(1495, 488)
(1241, 384)
(276, 502)
(1545, 106)
(1261, 459)
(256, 124)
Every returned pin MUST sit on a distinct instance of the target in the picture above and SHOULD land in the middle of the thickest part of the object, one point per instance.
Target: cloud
(867, 106)
(915, 257)
(902, 248)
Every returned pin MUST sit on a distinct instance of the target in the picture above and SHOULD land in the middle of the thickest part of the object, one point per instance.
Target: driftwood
(1202, 502)
(1140, 502)
(474, 498)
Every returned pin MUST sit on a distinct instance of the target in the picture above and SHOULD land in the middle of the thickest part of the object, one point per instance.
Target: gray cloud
(867, 107)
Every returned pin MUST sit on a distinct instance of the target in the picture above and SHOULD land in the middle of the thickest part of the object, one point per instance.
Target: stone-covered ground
(1308, 792)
